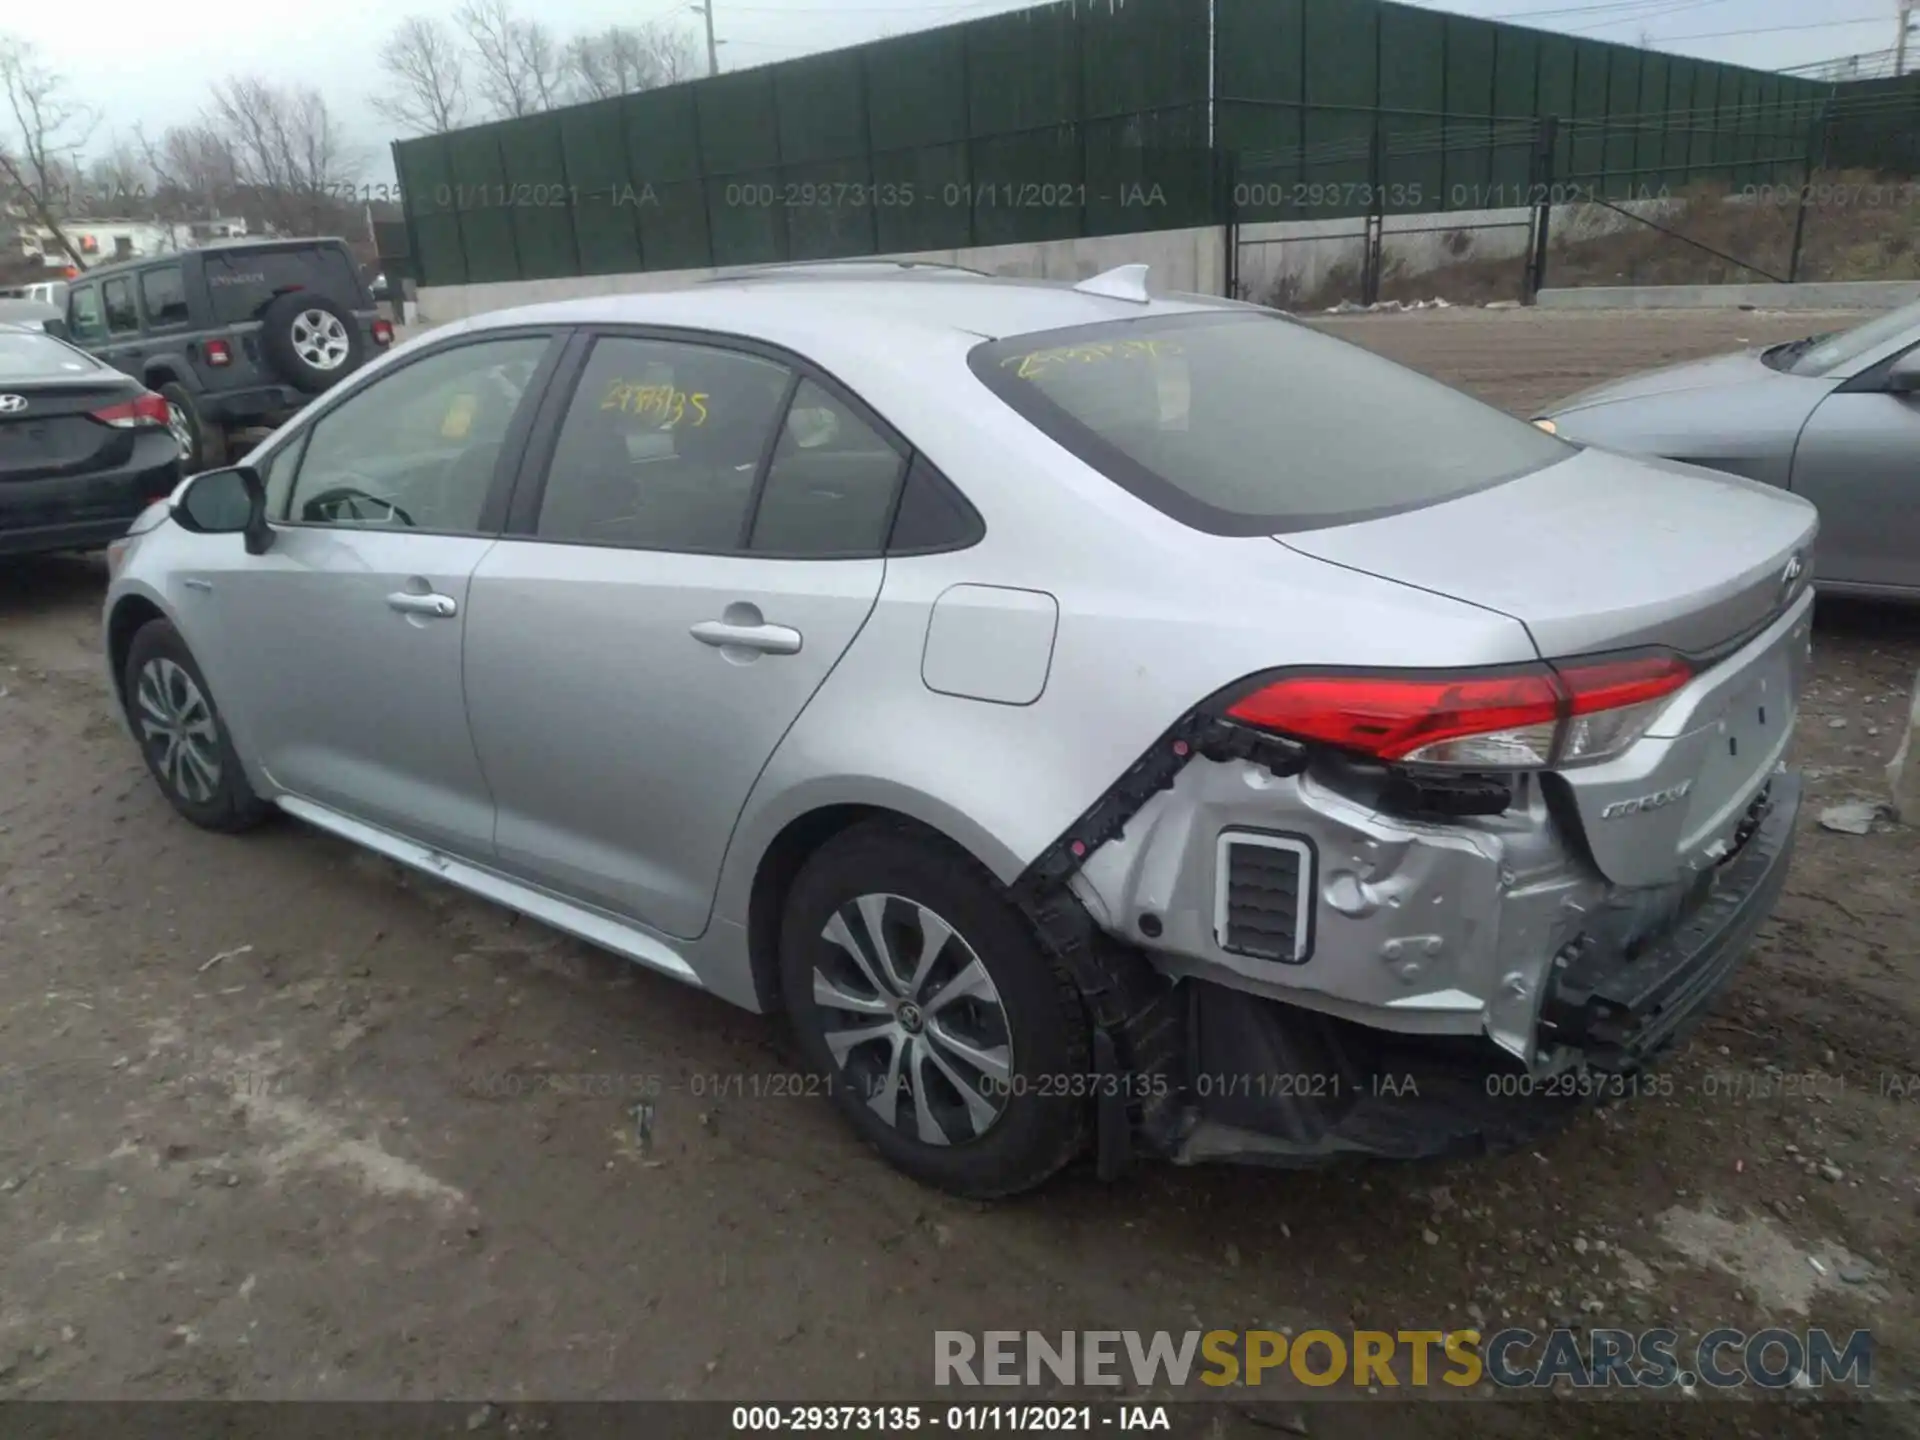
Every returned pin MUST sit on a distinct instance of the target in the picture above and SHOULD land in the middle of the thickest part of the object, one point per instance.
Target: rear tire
(203, 443)
(975, 1077)
(181, 735)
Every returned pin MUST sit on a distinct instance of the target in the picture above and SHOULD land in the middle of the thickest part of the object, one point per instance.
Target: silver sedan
(1834, 418)
(1099, 721)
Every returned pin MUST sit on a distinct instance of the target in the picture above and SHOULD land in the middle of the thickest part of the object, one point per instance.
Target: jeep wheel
(310, 340)
(203, 444)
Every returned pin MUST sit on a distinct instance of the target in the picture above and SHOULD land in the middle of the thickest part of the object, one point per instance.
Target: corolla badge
(1640, 804)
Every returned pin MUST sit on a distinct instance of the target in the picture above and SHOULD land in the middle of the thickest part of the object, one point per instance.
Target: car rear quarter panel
(1153, 618)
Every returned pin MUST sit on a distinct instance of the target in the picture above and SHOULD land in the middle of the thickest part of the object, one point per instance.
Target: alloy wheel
(913, 1020)
(178, 731)
(320, 339)
(181, 429)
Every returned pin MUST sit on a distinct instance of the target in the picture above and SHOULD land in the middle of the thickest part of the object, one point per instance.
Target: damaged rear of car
(1407, 910)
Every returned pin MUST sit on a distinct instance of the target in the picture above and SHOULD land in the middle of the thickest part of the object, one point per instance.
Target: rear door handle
(767, 639)
(408, 603)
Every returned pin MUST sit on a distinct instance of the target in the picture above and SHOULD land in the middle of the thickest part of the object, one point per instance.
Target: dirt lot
(280, 1121)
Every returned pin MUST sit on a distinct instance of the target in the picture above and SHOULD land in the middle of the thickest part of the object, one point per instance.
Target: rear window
(241, 282)
(1239, 423)
(27, 356)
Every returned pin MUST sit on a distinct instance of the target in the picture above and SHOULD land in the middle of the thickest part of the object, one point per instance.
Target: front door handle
(409, 603)
(767, 639)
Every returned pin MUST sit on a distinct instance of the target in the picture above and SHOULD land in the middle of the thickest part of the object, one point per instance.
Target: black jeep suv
(234, 335)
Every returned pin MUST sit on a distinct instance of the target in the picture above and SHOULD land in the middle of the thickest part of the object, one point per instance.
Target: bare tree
(517, 65)
(624, 58)
(119, 181)
(194, 171)
(428, 76)
(39, 162)
(286, 149)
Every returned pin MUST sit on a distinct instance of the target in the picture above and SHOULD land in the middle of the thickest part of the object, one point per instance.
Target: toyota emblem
(12, 404)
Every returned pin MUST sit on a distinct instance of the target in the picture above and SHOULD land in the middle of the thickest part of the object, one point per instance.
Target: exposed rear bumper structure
(1266, 1082)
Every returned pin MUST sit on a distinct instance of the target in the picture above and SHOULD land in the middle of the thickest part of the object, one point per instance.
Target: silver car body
(1830, 432)
(561, 744)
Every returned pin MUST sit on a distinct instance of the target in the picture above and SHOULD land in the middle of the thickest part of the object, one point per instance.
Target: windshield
(1824, 354)
(27, 356)
(1242, 423)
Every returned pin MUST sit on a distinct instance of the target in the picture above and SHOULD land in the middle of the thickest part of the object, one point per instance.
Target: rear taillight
(382, 332)
(219, 353)
(143, 409)
(1529, 717)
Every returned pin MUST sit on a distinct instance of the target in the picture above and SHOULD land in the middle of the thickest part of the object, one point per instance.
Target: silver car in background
(1099, 721)
(1834, 418)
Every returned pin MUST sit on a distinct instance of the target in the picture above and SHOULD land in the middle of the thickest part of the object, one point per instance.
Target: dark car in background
(83, 448)
(231, 336)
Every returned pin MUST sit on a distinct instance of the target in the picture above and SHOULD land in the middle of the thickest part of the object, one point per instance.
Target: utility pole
(1899, 44)
(713, 46)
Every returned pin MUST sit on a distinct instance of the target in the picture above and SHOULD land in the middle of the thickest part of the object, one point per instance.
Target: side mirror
(227, 502)
(1904, 377)
(57, 329)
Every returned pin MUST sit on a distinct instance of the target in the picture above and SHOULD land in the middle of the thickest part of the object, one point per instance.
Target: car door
(1858, 460)
(694, 554)
(339, 649)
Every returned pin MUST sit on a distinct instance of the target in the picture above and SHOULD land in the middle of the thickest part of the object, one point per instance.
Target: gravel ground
(278, 1120)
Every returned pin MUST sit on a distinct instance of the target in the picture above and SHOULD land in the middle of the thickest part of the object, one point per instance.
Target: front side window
(417, 447)
(660, 446)
(165, 296)
(1240, 423)
(84, 318)
(122, 315)
(830, 489)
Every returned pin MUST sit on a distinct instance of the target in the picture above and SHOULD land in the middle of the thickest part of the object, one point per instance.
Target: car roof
(212, 247)
(819, 313)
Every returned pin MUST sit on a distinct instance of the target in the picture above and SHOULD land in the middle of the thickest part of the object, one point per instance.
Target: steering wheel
(348, 503)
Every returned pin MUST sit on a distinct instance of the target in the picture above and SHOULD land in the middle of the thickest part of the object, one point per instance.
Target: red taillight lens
(1612, 702)
(382, 332)
(146, 409)
(219, 353)
(1526, 718)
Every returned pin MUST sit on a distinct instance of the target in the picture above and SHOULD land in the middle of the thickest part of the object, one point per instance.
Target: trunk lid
(1599, 552)
(51, 432)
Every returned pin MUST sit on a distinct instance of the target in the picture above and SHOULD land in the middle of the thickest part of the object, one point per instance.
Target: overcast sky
(153, 64)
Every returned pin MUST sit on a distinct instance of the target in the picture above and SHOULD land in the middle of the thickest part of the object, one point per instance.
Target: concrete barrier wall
(1184, 260)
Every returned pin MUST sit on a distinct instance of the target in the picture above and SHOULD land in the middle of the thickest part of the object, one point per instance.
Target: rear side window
(831, 487)
(660, 446)
(1239, 423)
(164, 296)
(122, 315)
(240, 283)
(25, 355)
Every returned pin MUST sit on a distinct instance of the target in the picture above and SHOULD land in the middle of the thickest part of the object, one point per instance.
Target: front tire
(955, 1045)
(181, 735)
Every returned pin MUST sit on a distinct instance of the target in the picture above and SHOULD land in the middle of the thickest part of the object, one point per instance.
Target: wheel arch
(130, 613)
(791, 840)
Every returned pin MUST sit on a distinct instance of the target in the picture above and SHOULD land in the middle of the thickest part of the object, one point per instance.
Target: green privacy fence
(1059, 121)
(1331, 108)
(1078, 119)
